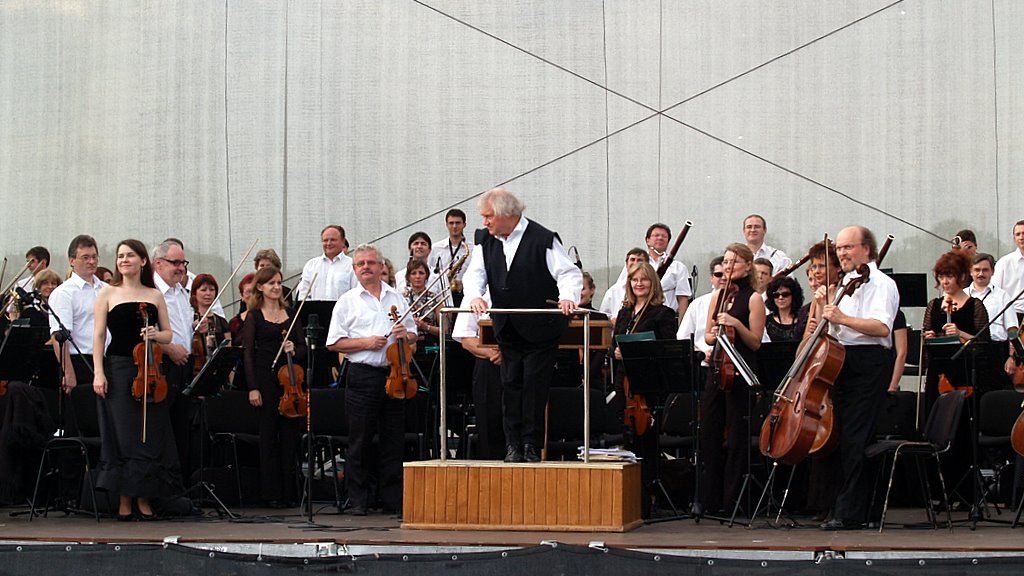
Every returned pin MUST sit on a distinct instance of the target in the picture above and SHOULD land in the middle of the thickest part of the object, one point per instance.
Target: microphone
(579, 263)
(27, 297)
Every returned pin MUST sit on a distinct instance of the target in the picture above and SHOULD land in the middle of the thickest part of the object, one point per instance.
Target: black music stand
(208, 382)
(657, 368)
(19, 350)
(318, 353)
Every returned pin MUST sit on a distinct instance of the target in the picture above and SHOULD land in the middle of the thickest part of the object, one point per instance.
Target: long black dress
(129, 466)
(279, 436)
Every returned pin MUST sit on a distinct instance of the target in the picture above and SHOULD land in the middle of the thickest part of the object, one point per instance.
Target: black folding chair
(939, 432)
(231, 420)
(329, 425)
(84, 411)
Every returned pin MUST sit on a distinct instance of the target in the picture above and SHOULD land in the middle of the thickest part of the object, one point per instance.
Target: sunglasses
(783, 295)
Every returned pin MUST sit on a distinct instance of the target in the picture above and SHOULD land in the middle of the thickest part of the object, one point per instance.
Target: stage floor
(380, 533)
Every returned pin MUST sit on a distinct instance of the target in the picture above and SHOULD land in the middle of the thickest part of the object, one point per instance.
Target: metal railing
(443, 392)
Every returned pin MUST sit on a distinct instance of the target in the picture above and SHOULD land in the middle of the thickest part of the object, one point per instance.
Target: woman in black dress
(786, 319)
(744, 312)
(265, 324)
(129, 467)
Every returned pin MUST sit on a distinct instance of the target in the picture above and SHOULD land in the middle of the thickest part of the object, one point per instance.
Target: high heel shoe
(125, 517)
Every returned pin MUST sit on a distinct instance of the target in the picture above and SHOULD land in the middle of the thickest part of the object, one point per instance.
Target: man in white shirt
(524, 265)
(71, 303)
(612, 301)
(994, 299)
(1009, 274)
(169, 267)
(333, 268)
(676, 281)
(862, 323)
(419, 249)
(37, 259)
(452, 249)
(695, 320)
(362, 330)
(754, 229)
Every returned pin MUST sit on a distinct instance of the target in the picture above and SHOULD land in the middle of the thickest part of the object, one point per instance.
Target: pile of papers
(616, 454)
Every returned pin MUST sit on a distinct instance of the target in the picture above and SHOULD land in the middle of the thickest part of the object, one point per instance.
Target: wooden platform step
(548, 496)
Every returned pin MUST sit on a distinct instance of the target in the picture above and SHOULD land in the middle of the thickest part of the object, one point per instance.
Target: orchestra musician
(486, 385)
(204, 292)
(525, 265)
(744, 312)
(695, 319)
(862, 323)
(785, 300)
(267, 319)
(362, 329)
(268, 257)
(755, 227)
(763, 271)
(332, 269)
(37, 259)
(425, 309)
(968, 243)
(135, 470)
(419, 249)
(235, 328)
(446, 251)
(954, 313)
(387, 276)
(676, 281)
(72, 303)
(1009, 274)
(616, 293)
(994, 299)
(170, 271)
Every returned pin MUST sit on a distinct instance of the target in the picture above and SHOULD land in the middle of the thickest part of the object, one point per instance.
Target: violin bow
(225, 285)
(294, 320)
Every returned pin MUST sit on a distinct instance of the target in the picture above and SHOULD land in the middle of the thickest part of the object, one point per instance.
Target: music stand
(19, 350)
(657, 368)
(319, 355)
(208, 383)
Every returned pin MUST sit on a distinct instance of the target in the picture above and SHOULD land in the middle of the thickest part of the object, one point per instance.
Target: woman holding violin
(138, 457)
(214, 328)
(267, 320)
(737, 311)
(956, 315)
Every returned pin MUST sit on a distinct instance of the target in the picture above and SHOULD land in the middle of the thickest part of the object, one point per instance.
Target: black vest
(527, 283)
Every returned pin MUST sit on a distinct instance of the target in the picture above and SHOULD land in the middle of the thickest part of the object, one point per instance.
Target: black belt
(361, 366)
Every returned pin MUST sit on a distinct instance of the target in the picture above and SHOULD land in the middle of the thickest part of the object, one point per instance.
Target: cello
(149, 385)
(400, 385)
(789, 431)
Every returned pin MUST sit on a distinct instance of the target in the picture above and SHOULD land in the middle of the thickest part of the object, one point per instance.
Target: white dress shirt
(566, 275)
(694, 324)
(994, 298)
(612, 301)
(442, 254)
(217, 308)
(777, 257)
(334, 278)
(358, 314)
(73, 303)
(467, 324)
(1009, 276)
(877, 299)
(179, 310)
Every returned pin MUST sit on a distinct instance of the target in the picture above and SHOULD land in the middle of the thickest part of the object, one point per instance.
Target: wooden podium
(491, 495)
(548, 496)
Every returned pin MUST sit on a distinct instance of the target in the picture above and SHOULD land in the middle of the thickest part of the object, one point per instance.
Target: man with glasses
(862, 323)
(72, 304)
(994, 299)
(169, 269)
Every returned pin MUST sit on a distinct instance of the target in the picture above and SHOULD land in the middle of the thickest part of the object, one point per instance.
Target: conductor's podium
(548, 496)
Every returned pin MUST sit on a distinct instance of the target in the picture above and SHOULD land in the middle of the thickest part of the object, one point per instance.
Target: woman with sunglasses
(784, 302)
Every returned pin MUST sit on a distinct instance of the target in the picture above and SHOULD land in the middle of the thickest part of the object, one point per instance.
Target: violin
(1017, 342)
(945, 384)
(294, 402)
(637, 414)
(791, 428)
(149, 385)
(3, 387)
(401, 385)
(722, 368)
(202, 347)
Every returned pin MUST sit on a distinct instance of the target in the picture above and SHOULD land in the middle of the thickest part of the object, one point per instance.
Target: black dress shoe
(840, 524)
(357, 511)
(513, 453)
(530, 453)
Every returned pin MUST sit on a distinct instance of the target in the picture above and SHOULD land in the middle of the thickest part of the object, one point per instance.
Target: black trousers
(526, 369)
(370, 412)
(487, 407)
(857, 397)
(723, 466)
(279, 444)
(182, 411)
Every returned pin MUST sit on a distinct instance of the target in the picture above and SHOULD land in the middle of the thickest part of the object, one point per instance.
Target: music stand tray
(215, 373)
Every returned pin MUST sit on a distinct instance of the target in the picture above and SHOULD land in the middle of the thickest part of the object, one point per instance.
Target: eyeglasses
(176, 262)
(783, 295)
(718, 274)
